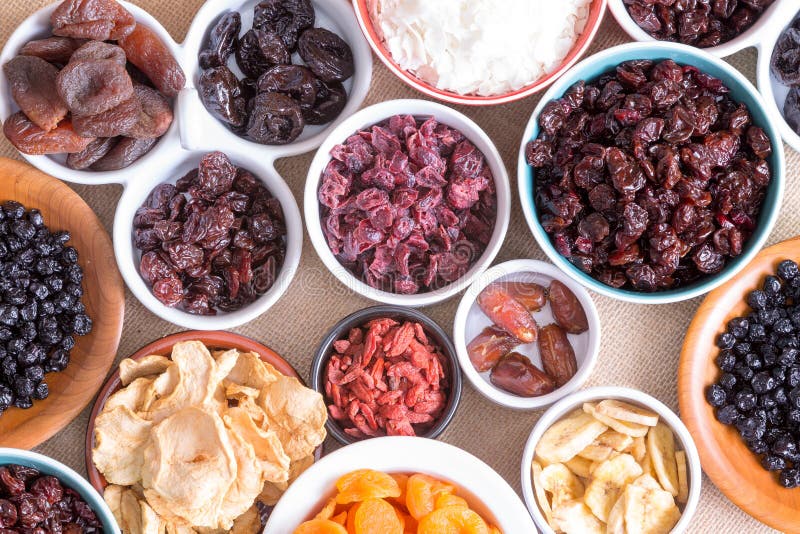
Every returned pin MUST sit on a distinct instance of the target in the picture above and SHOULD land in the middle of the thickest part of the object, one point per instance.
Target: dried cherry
(55, 49)
(150, 54)
(287, 18)
(222, 41)
(326, 54)
(89, 87)
(222, 96)
(101, 20)
(30, 139)
(276, 119)
(125, 152)
(32, 82)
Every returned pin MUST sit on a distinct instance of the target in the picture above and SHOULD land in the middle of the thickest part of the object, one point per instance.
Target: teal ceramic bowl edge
(741, 90)
(68, 477)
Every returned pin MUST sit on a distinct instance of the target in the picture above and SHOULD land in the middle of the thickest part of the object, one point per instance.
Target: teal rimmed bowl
(741, 90)
(68, 477)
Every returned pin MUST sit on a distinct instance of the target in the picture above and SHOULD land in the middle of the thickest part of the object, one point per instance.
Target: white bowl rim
(558, 410)
(406, 454)
(372, 115)
(67, 476)
(125, 253)
(751, 37)
(555, 91)
(764, 76)
(495, 394)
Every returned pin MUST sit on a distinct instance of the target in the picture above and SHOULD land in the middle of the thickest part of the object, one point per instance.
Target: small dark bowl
(360, 317)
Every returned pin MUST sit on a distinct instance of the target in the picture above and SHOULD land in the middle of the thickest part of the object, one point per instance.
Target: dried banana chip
(649, 511)
(561, 483)
(574, 517)
(569, 436)
(623, 411)
(580, 466)
(596, 453)
(661, 449)
(616, 517)
(631, 429)
(616, 440)
(607, 482)
(683, 477)
(541, 496)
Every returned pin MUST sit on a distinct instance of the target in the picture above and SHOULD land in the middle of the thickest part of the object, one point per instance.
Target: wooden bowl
(725, 458)
(163, 346)
(104, 298)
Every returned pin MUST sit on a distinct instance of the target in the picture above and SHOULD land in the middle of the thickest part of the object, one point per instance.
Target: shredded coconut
(479, 47)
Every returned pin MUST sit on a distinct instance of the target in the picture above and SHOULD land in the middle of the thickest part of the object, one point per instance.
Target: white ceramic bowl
(576, 400)
(68, 477)
(193, 127)
(771, 89)
(373, 115)
(485, 491)
(470, 320)
(170, 171)
(763, 26)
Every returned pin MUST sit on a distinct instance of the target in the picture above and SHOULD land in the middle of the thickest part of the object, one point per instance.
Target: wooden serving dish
(104, 298)
(725, 458)
(163, 347)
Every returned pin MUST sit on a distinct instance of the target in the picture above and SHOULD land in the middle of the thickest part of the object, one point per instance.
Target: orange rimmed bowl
(596, 11)
(724, 456)
(163, 346)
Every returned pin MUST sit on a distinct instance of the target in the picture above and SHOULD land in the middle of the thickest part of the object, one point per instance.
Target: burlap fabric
(640, 345)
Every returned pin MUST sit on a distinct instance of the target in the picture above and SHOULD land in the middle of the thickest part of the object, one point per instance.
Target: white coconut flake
(479, 47)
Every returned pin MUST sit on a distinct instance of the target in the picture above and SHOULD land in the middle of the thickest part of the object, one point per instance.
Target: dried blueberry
(716, 395)
(787, 269)
(728, 415)
(773, 463)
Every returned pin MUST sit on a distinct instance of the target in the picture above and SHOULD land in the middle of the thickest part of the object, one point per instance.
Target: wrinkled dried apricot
(377, 516)
(89, 87)
(147, 51)
(100, 20)
(30, 139)
(320, 526)
(116, 121)
(100, 50)
(453, 520)
(421, 494)
(155, 114)
(340, 518)
(53, 49)
(127, 151)
(365, 484)
(93, 152)
(32, 81)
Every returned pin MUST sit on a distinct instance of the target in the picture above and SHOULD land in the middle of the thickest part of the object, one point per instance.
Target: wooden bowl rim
(110, 287)
(162, 346)
(711, 436)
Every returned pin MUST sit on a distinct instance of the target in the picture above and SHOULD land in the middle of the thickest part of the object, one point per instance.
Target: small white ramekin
(751, 37)
(470, 320)
(373, 115)
(485, 490)
(576, 400)
(171, 170)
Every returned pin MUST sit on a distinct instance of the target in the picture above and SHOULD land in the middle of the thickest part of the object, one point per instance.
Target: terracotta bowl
(726, 459)
(163, 346)
(104, 298)
(596, 11)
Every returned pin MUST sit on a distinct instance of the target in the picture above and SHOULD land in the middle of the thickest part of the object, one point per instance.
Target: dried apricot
(453, 520)
(30, 139)
(320, 526)
(116, 121)
(52, 49)
(93, 152)
(421, 494)
(448, 499)
(402, 481)
(327, 510)
(32, 81)
(340, 518)
(147, 51)
(92, 86)
(100, 50)
(365, 484)
(155, 114)
(124, 153)
(377, 516)
(100, 20)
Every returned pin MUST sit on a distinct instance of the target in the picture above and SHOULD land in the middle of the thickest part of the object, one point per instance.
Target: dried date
(489, 346)
(516, 374)
(529, 294)
(567, 310)
(507, 313)
(558, 356)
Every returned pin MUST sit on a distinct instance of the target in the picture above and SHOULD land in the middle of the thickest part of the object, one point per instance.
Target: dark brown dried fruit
(287, 18)
(567, 309)
(516, 374)
(93, 152)
(329, 103)
(124, 153)
(260, 50)
(155, 114)
(100, 20)
(529, 294)
(150, 54)
(326, 54)
(489, 346)
(558, 356)
(291, 80)
(223, 39)
(53, 49)
(30, 139)
(785, 63)
(112, 123)
(100, 50)
(276, 119)
(222, 96)
(89, 87)
(507, 313)
(32, 82)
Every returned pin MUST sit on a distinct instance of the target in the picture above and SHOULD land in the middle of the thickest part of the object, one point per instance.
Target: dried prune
(100, 20)
(222, 41)
(30, 139)
(785, 63)
(507, 313)
(791, 108)
(287, 18)
(112, 123)
(516, 374)
(331, 98)
(222, 96)
(326, 54)
(558, 356)
(291, 80)
(150, 54)
(56, 50)
(259, 50)
(154, 116)
(489, 346)
(100, 50)
(124, 153)
(32, 82)
(93, 152)
(89, 87)
(276, 119)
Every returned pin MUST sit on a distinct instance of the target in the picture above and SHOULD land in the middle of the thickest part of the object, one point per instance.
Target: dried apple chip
(119, 436)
